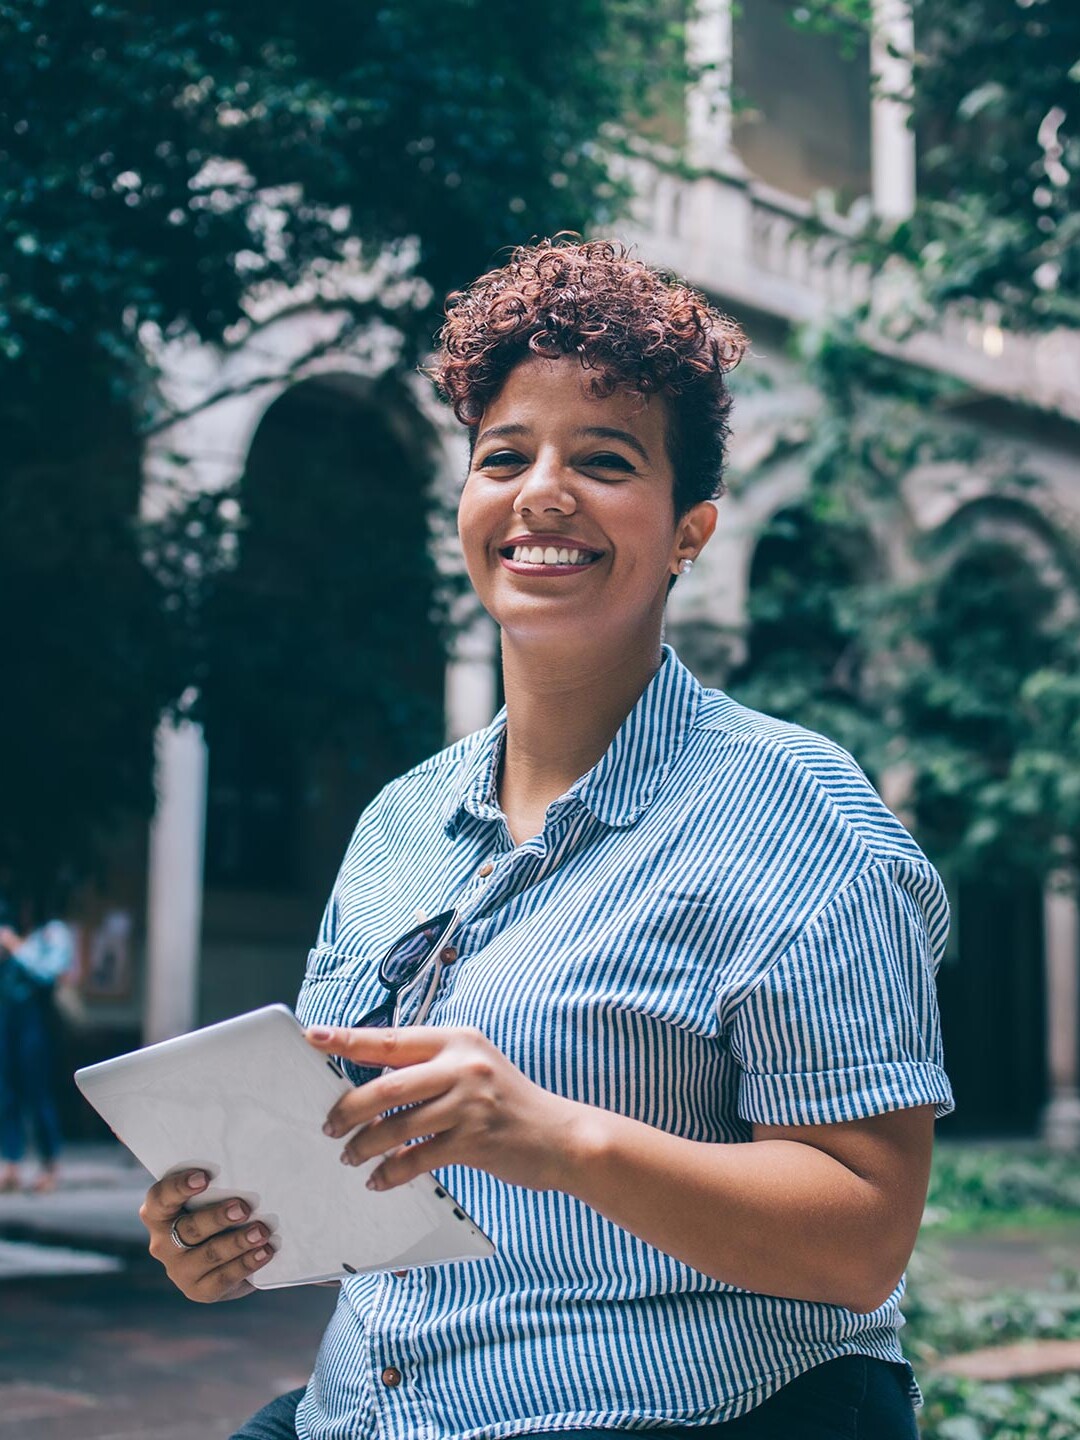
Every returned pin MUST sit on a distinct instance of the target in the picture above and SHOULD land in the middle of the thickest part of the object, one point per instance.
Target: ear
(692, 533)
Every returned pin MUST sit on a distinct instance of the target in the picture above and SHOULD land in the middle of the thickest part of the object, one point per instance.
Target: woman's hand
(226, 1251)
(454, 1093)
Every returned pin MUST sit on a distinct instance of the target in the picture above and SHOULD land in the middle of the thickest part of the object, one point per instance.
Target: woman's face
(567, 518)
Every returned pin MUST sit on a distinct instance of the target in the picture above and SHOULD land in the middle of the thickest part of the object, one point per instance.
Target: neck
(561, 718)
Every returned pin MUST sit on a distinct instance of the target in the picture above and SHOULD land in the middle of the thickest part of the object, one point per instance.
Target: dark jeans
(26, 1089)
(853, 1398)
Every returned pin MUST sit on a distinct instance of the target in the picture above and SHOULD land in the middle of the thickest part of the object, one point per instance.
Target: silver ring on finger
(176, 1238)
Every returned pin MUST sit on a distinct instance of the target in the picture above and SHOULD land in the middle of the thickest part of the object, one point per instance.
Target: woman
(681, 1059)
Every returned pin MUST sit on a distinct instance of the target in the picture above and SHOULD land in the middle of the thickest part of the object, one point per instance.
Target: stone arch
(797, 572)
(323, 675)
(797, 656)
(1001, 577)
(214, 400)
(1014, 522)
(218, 395)
(707, 614)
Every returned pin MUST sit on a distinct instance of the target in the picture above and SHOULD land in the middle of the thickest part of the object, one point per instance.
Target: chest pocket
(325, 962)
(337, 990)
(338, 986)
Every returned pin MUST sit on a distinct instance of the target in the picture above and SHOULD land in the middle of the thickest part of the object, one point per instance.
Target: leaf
(990, 95)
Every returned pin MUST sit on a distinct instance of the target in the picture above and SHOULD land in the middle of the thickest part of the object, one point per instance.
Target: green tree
(964, 683)
(996, 85)
(157, 164)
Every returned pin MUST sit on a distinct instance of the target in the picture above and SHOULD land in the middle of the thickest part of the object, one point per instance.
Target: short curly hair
(632, 326)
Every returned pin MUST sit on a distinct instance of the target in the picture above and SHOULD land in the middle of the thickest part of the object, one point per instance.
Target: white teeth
(549, 555)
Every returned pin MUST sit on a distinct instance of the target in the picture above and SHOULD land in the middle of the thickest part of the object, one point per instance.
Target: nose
(545, 486)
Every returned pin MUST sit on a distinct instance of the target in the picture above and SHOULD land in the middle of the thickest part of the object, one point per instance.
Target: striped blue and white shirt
(720, 924)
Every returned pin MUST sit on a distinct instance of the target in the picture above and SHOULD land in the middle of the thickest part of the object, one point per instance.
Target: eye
(608, 460)
(501, 460)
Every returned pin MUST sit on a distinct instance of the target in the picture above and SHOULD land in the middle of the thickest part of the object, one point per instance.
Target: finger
(413, 1160)
(379, 1047)
(165, 1200)
(411, 1086)
(215, 1249)
(393, 1131)
(195, 1226)
(221, 1249)
(230, 1281)
(215, 1246)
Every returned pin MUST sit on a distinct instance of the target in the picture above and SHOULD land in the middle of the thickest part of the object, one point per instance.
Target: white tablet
(245, 1101)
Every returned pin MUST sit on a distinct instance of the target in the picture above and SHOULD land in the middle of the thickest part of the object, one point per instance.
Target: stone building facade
(207, 945)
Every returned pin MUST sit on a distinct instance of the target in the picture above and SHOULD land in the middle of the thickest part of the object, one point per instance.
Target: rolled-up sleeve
(845, 1024)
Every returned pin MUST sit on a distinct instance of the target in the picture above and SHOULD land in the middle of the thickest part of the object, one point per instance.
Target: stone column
(1061, 942)
(892, 142)
(708, 102)
(175, 882)
(470, 679)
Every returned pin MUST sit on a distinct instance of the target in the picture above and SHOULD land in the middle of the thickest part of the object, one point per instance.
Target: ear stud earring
(685, 566)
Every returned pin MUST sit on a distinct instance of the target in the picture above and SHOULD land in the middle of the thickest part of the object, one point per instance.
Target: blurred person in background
(676, 1047)
(31, 966)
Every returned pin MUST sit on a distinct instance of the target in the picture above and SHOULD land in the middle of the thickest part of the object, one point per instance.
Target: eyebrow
(599, 432)
(605, 432)
(495, 432)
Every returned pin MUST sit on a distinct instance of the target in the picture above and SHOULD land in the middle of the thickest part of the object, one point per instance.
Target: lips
(560, 542)
(547, 554)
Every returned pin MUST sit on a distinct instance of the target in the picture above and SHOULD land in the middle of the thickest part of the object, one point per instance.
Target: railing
(749, 246)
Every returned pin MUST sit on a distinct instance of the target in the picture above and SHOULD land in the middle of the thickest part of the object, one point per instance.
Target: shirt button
(391, 1377)
(485, 870)
(448, 954)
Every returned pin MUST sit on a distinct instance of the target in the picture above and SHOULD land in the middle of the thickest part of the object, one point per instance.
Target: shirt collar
(474, 790)
(624, 781)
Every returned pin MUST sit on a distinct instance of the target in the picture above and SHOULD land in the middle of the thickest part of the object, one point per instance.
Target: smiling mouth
(544, 557)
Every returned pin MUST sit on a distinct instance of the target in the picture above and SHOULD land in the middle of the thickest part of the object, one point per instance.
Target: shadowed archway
(987, 631)
(324, 672)
(805, 657)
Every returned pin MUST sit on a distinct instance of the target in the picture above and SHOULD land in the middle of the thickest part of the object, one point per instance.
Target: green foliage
(958, 1409)
(157, 166)
(969, 1185)
(945, 1319)
(996, 85)
(806, 658)
(964, 681)
(87, 652)
(985, 701)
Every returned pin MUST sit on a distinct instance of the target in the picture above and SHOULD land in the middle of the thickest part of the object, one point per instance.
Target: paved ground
(126, 1357)
(95, 1203)
(96, 1345)
(1020, 1259)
